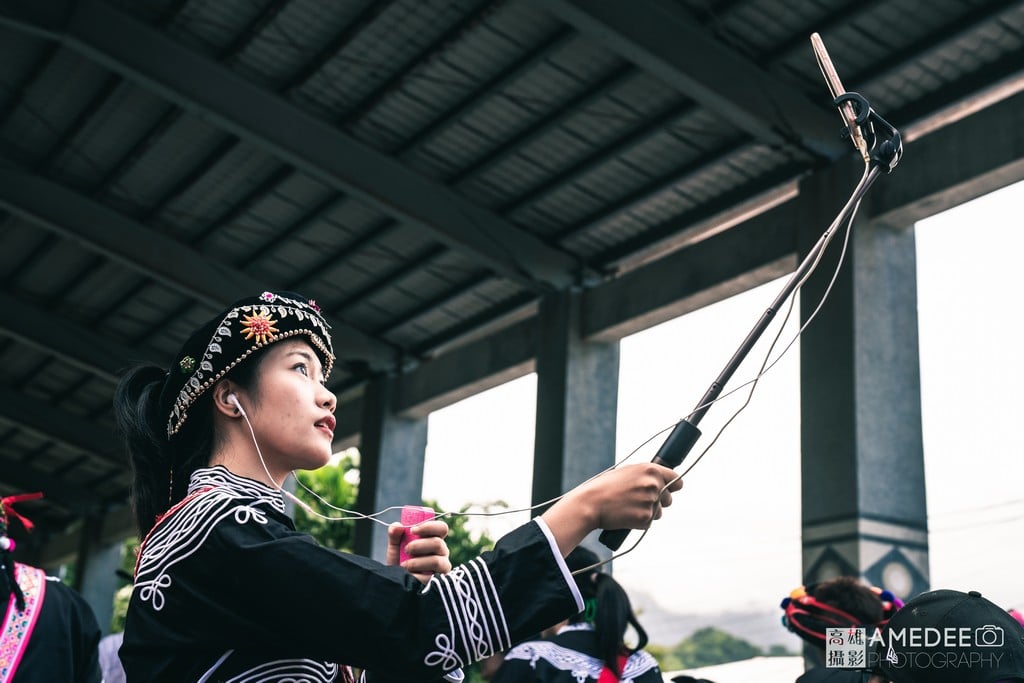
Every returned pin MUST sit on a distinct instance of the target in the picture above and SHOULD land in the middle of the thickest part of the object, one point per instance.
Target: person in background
(49, 633)
(842, 602)
(225, 588)
(974, 641)
(589, 646)
(110, 662)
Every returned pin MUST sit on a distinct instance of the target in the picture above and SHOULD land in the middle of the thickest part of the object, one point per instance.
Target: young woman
(590, 647)
(227, 590)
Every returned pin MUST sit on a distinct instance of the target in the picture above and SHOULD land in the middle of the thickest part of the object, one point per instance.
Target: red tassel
(8, 505)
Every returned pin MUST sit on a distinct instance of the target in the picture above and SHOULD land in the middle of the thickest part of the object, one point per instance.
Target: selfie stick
(881, 146)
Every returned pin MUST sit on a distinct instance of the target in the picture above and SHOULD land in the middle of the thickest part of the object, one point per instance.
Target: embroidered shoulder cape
(571, 656)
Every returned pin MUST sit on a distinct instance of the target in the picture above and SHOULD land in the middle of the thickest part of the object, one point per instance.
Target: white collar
(222, 478)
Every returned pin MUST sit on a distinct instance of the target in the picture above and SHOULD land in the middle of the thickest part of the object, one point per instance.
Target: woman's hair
(607, 607)
(853, 597)
(161, 466)
(9, 583)
(842, 602)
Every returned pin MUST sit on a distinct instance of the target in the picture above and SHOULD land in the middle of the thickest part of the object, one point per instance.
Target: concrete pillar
(577, 400)
(97, 579)
(863, 486)
(392, 450)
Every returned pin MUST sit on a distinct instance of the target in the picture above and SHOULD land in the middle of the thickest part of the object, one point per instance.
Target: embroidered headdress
(232, 336)
(810, 617)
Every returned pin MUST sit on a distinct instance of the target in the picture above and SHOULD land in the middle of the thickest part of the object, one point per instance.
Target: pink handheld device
(411, 516)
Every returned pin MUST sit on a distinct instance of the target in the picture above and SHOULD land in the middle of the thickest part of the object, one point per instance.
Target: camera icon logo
(988, 636)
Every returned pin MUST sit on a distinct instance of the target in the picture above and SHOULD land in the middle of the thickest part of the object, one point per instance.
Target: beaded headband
(809, 618)
(228, 339)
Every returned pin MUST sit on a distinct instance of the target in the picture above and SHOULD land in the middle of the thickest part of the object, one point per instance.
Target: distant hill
(665, 627)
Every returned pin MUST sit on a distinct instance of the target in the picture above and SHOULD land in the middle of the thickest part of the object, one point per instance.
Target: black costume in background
(63, 646)
(570, 657)
(826, 675)
(227, 590)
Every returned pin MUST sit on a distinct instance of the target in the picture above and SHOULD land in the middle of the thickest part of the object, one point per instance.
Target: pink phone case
(412, 515)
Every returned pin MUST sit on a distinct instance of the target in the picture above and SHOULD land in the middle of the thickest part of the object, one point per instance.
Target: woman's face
(291, 411)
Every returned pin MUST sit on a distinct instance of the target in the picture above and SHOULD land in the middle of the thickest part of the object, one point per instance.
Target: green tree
(121, 598)
(666, 657)
(337, 484)
(708, 646)
(129, 553)
(125, 572)
(463, 544)
(780, 651)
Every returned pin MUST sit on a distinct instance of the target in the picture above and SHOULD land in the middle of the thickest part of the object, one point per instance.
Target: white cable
(846, 215)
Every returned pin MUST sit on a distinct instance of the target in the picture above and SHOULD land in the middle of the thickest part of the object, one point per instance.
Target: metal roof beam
(757, 251)
(475, 367)
(73, 344)
(953, 165)
(153, 254)
(58, 491)
(117, 524)
(753, 253)
(49, 422)
(146, 55)
(667, 43)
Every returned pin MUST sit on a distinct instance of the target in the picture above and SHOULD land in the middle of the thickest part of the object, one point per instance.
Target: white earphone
(231, 398)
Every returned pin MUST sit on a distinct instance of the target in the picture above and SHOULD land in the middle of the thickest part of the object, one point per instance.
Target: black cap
(947, 636)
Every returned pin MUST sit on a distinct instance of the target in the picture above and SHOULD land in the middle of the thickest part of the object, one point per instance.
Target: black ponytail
(607, 607)
(160, 468)
(614, 614)
(9, 583)
(136, 408)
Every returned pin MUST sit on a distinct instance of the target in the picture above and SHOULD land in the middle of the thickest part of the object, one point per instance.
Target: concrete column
(577, 400)
(863, 486)
(391, 454)
(97, 579)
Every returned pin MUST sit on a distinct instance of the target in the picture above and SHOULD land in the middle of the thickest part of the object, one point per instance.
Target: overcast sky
(732, 540)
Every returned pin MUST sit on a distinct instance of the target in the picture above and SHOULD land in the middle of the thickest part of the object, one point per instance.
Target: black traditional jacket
(227, 590)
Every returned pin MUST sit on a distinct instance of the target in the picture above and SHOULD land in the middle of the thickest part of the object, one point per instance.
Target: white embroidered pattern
(476, 620)
(578, 664)
(289, 671)
(181, 534)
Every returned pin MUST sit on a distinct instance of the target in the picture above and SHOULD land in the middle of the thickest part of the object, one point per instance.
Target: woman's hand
(429, 552)
(628, 497)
